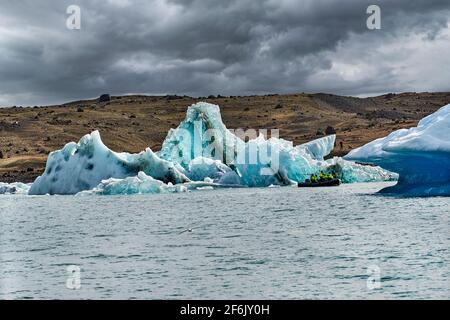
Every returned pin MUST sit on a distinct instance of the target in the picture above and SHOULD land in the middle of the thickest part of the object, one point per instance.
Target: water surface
(266, 243)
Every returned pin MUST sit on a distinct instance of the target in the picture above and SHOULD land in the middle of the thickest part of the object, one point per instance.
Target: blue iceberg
(200, 153)
(142, 184)
(421, 155)
(260, 162)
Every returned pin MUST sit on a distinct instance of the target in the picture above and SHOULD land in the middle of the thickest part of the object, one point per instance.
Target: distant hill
(132, 123)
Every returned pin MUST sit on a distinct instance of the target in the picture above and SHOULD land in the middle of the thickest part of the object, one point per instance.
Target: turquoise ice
(200, 153)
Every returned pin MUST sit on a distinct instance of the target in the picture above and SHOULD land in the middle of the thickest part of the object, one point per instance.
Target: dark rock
(79, 109)
(278, 106)
(330, 130)
(320, 133)
(1, 155)
(104, 98)
(173, 97)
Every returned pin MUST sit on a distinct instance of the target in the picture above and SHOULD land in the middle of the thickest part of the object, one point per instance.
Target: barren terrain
(132, 123)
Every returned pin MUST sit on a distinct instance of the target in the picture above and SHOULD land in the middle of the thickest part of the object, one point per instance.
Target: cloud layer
(220, 47)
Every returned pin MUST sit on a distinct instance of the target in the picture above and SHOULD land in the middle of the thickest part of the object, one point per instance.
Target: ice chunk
(201, 134)
(256, 163)
(319, 148)
(351, 172)
(421, 155)
(296, 164)
(141, 183)
(83, 165)
(230, 178)
(14, 188)
(144, 184)
(201, 168)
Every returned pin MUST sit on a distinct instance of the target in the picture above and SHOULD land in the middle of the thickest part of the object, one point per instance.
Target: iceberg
(144, 184)
(201, 168)
(319, 148)
(200, 153)
(83, 165)
(14, 188)
(141, 183)
(421, 156)
(351, 172)
(260, 162)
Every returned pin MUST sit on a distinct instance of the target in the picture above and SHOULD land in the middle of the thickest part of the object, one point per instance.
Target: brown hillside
(131, 123)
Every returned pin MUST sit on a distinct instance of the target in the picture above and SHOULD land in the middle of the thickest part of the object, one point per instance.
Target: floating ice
(143, 184)
(320, 148)
(201, 168)
(351, 172)
(14, 188)
(421, 156)
(201, 149)
(82, 166)
(258, 162)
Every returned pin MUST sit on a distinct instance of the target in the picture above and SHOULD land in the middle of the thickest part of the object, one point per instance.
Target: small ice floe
(14, 188)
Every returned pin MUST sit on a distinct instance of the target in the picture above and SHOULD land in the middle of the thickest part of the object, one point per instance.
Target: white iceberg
(144, 184)
(200, 149)
(14, 188)
(421, 155)
(319, 148)
(201, 168)
(83, 165)
(141, 183)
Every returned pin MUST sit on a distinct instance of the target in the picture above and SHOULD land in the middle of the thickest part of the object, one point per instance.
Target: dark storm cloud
(219, 47)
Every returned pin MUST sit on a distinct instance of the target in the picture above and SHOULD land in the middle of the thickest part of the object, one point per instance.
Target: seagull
(187, 230)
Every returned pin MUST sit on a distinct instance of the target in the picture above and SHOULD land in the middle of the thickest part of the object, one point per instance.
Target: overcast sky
(223, 47)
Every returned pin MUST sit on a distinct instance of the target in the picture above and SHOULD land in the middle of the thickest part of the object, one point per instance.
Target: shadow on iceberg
(421, 155)
(200, 153)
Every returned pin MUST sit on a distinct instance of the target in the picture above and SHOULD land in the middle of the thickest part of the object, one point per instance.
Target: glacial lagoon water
(257, 243)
